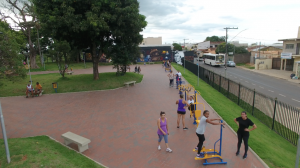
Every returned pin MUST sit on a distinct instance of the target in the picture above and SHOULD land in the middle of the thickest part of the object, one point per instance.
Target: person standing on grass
(162, 131)
(243, 132)
(171, 78)
(182, 104)
(201, 129)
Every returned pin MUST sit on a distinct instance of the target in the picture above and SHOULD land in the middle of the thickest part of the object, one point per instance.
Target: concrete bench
(128, 83)
(82, 142)
(70, 72)
(151, 62)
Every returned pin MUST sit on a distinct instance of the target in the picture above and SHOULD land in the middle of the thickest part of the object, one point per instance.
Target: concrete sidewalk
(121, 124)
(275, 73)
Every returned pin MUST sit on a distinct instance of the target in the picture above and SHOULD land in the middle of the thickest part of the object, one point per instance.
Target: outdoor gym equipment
(212, 153)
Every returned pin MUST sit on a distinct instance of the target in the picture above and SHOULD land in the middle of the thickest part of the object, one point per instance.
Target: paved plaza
(121, 124)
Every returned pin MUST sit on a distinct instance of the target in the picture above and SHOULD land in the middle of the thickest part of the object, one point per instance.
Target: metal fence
(278, 116)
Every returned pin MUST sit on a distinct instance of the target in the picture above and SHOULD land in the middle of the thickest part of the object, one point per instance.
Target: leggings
(160, 137)
(201, 140)
(171, 81)
(243, 136)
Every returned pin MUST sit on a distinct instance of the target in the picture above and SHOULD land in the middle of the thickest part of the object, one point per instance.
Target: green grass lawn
(52, 66)
(249, 66)
(71, 83)
(41, 151)
(271, 147)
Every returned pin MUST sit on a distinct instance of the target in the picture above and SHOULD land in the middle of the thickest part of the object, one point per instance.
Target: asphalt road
(284, 91)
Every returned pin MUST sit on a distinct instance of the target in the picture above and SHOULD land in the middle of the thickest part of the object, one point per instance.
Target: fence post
(228, 87)
(239, 93)
(274, 113)
(253, 102)
(203, 77)
(213, 79)
(198, 73)
(220, 83)
(298, 153)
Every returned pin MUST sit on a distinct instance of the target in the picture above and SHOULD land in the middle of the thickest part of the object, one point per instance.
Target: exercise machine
(212, 153)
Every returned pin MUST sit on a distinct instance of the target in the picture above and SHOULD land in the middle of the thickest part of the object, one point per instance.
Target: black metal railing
(282, 118)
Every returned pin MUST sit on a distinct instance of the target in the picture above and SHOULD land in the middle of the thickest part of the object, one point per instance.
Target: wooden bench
(151, 62)
(83, 143)
(70, 72)
(128, 83)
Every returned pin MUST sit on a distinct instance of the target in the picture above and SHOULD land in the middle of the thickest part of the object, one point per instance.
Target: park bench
(70, 72)
(128, 83)
(151, 62)
(83, 143)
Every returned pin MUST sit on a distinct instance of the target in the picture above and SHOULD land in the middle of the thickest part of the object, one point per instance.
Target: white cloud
(265, 20)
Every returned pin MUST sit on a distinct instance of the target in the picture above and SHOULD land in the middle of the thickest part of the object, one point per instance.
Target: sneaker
(177, 126)
(245, 156)
(200, 155)
(168, 150)
(185, 128)
(196, 148)
(237, 153)
(26, 96)
(159, 147)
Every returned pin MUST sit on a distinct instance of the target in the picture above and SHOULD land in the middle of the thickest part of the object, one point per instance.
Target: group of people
(243, 123)
(166, 64)
(29, 89)
(173, 76)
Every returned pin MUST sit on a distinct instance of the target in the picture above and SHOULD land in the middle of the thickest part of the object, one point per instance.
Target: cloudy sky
(265, 21)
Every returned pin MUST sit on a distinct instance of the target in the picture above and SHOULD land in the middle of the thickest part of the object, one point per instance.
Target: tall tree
(231, 48)
(177, 46)
(11, 60)
(25, 19)
(215, 39)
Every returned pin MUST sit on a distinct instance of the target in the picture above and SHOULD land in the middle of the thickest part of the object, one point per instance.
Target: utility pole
(259, 50)
(184, 56)
(226, 55)
(4, 135)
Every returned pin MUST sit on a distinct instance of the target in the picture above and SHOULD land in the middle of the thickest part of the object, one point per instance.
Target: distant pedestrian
(182, 104)
(201, 129)
(163, 132)
(243, 132)
(139, 69)
(171, 78)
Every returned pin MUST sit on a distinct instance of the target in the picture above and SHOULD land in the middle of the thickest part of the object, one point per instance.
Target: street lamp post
(226, 54)
(4, 132)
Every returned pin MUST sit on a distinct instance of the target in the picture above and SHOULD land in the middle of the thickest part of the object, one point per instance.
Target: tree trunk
(95, 61)
(78, 56)
(32, 54)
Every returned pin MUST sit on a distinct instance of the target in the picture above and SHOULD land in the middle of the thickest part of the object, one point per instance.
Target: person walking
(201, 129)
(182, 104)
(243, 123)
(163, 132)
(171, 78)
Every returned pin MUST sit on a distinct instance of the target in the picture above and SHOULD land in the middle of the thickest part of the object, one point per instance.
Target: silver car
(230, 64)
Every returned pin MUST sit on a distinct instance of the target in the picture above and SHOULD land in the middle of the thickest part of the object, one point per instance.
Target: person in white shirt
(171, 78)
(29, 88)
(201, 129)
(191, 104)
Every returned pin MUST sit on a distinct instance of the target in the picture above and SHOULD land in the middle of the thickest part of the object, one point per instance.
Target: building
(238, 44)
(207, 44)
(291, 47)
(152, 41)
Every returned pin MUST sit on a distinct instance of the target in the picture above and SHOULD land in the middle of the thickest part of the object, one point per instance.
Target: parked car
(230, 64)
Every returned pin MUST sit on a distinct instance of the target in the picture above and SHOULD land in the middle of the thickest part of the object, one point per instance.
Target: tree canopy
(95, 24)
(230, 48)
(177, 47)
(11, 61)
(215, 38)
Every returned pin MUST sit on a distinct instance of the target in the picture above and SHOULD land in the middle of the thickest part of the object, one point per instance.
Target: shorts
(192, 107)
(163, 136)
(181, 112)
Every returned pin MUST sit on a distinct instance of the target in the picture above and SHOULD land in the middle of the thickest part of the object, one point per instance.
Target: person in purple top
(163, 130)
(182, 105)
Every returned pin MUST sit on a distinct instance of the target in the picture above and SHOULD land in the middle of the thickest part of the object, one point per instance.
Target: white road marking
(296, 100)
(282, 95)
(270, 90)
(261, 87)
(253, 84)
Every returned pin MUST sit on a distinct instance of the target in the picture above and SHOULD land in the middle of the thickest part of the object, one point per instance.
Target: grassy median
(70, 83)
(271, 147)
(41, 151)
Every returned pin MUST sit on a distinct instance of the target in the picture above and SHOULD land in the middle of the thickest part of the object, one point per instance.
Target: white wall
(203, 45)
(293, 51)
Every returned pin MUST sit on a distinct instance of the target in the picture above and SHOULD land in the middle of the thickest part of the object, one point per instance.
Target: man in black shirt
(243, 132)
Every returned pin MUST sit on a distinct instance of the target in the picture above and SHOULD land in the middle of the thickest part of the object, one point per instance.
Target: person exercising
(201, 129)
(182, 104)
(243, 132)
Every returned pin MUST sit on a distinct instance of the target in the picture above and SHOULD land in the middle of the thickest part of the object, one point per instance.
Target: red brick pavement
(121, 124)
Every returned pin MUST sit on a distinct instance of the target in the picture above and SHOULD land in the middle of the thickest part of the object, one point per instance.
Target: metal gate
(276, 63)
(289, 64)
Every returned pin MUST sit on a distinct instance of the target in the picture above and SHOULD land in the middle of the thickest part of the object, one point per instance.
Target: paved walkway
(121, 124)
